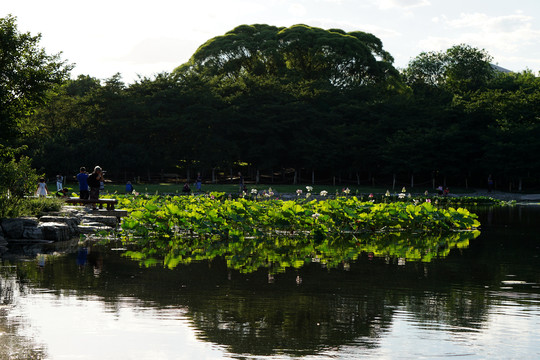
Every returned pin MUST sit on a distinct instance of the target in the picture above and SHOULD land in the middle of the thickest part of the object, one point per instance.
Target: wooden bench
(110, 203)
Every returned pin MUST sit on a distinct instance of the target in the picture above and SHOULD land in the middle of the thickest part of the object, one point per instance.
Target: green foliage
(27, 74)
(299, 53)
(17, 180)
(17, 177)
(279, 253)
(252, 232)
(461, 68)
(16, 207)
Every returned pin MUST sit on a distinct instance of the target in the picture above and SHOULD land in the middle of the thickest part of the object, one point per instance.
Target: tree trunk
(257, 177)
(412, 181)
(358, 179)
(213, 175)
(312, 177)
(394, 182)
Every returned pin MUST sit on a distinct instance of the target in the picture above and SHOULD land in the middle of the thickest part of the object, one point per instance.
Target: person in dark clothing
(198, 182)
(186, 188)
(82, 178)
(94, 181)
(241, 184)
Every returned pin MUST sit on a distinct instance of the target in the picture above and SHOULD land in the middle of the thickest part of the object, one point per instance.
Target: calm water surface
(482, 302)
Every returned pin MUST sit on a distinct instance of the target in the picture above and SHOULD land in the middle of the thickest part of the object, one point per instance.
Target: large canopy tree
(293, 54)
(458, 69)
(27, 72)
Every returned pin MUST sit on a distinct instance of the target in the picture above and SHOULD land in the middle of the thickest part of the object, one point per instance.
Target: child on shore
(42, 190)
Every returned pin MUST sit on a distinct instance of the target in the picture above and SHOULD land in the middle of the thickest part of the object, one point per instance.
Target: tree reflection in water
(249, 254)
(14, 346)
(348, 295)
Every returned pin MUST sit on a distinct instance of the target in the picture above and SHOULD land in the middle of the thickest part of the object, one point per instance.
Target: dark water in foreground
(480, 302)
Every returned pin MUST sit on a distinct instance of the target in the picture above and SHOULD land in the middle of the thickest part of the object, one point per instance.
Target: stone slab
(55, 231)
(14, 228)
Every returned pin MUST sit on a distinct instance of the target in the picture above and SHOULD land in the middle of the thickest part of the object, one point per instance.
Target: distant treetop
(296, 53)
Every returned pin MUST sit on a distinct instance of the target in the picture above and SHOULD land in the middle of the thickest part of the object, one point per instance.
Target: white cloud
(160, 50)
(297, 10)
(485, 22)
(401, 4)
(348, 26)
(508, 33)
(510, 39)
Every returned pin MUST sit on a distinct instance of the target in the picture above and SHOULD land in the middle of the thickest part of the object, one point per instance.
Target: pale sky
(146, 37)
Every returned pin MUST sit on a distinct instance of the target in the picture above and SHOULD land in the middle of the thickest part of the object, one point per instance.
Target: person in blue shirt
(198, 182)
(82, 178)
(129, 187)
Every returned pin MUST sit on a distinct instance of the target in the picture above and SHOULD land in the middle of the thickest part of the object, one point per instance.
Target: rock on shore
(63, 226)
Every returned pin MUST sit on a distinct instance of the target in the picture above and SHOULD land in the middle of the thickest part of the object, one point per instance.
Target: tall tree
(295, 54)
(460, 68)
(27, 73)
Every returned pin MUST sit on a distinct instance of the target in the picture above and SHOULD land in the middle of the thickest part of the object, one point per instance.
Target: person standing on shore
(42, 190)
(129, 188)
(198, 182)
(240, 182)
(59, 182)
(82, 178)
(94, 181)
(490, 183)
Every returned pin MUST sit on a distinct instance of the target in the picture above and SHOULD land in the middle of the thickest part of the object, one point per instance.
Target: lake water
(481, 302)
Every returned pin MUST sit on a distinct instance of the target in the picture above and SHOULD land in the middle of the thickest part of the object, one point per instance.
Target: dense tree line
(321, 104)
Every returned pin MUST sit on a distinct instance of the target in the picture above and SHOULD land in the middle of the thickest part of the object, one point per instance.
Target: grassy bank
(168, 188)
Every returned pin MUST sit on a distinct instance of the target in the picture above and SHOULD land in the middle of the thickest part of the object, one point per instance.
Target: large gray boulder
(111, 221)
(3, 242)
(32, 233)
(55, 231)
(71, 222)
(14, 228)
